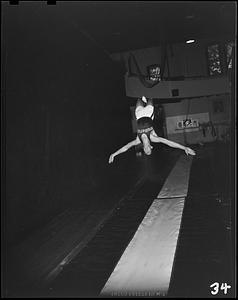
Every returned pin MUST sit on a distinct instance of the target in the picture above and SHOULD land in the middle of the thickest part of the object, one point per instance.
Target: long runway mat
(199, 255)
(146, 265)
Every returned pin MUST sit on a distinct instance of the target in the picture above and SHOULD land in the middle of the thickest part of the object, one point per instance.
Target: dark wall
(65, 110)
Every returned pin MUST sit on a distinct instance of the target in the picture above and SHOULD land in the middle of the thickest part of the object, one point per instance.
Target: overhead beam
(178, 89)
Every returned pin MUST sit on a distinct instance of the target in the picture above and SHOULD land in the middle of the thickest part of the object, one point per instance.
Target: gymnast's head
(146, 144)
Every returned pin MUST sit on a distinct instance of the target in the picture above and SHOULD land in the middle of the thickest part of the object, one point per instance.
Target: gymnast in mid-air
(144, 113)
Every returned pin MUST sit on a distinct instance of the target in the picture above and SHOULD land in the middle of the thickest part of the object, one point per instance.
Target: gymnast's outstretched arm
(187, 150)
(124, 149)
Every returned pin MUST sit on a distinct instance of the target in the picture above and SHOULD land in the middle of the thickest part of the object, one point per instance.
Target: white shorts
(146, 111)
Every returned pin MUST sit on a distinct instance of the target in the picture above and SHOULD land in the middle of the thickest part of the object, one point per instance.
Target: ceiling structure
(119, 26)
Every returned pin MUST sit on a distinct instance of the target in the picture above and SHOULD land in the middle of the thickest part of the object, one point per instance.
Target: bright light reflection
(190, 41)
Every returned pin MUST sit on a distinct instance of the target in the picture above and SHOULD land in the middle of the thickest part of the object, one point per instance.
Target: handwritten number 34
(216, 285)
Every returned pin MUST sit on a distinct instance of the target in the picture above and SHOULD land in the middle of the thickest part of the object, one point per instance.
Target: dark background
(64, 104)
(65, 111)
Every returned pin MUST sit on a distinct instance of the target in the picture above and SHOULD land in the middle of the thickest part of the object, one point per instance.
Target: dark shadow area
(204, 252)
(66, 112)
(205, 247)
(68, 214)
(87, 273)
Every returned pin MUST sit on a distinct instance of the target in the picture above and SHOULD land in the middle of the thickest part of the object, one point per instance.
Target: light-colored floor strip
(146, 265)
(176, 185)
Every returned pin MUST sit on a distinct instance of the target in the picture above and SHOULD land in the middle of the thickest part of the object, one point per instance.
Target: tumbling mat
(145, 267)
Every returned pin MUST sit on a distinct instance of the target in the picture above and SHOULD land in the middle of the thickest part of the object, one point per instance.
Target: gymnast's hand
(189, 151)
(111, 158)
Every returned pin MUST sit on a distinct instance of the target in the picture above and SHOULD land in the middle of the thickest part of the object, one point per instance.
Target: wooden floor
(70, 246)
(37, 260)
(204, 250)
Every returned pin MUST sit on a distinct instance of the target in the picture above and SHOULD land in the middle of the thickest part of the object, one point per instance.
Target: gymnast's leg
(139, 108)
(150, 101)
(144, 110)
